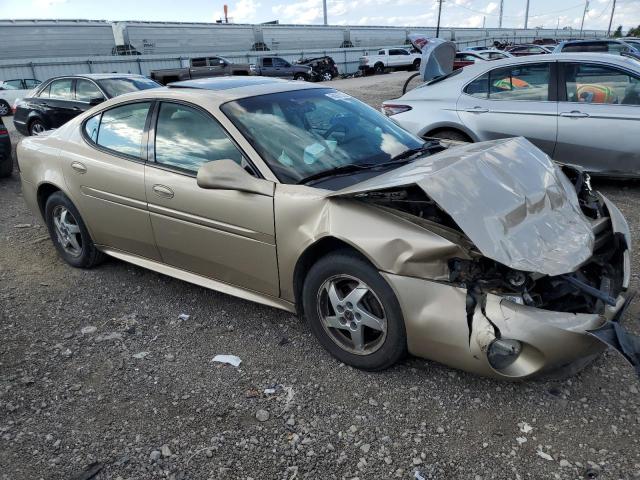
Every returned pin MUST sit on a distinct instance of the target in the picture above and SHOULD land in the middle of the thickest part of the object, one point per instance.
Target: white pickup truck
(390, 58)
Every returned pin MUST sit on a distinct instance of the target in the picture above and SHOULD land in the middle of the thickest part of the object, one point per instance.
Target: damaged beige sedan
(486, 257)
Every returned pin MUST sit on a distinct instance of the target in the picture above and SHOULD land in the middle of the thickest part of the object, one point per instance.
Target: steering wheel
(334, 128)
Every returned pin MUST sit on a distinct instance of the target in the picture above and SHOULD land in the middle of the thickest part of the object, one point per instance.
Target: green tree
(618, 32)
(634, 32)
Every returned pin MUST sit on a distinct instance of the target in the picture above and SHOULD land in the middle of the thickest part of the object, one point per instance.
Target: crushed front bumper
(436, 324)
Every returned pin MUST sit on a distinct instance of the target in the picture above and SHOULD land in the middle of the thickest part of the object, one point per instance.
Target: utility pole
(613, 9)
(439, 13)
(501, 12)
(584, 14)
(526, 16)
(324, 9)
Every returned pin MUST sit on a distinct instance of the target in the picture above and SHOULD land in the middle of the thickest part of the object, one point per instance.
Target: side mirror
(228, 175)
(96, 100)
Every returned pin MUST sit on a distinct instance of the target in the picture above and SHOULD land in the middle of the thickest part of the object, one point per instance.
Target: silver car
(580, 108)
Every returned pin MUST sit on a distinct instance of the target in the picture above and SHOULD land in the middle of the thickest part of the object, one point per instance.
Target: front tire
(300, 77)
(378, 68)
(69, 233)
(353, 312)
(5, 109)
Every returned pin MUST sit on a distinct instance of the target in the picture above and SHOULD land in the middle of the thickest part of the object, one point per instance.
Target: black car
(324, 68)
(60, 99)
(6, 162)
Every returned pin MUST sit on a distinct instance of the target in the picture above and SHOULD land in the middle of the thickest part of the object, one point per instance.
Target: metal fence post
(89, 65)
(33, 70)
(139, 65)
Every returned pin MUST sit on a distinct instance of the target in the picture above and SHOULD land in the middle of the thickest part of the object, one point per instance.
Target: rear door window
(122, 129)
(31, 82)
(61, 89)
(199, 62)
(267, 62)
(600, 84)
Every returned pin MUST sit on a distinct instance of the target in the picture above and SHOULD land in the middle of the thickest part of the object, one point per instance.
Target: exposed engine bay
(595, 284)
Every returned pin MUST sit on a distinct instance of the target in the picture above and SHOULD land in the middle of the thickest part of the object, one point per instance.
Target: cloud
(46, 4)
(243, 11)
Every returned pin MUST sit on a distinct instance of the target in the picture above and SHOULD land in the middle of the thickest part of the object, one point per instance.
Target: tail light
(391, 109)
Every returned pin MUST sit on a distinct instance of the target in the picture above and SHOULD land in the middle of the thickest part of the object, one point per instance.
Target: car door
(513, 101)
(105, 178)
(266, 67)
(282, 68)
(226, 235)
(395, 57)
(60, 107)
(216, 66)
(599, 117)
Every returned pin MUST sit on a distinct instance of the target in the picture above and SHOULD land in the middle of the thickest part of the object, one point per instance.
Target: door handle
(163, 191)
(79, 167)
(477, 110)
(574, 114)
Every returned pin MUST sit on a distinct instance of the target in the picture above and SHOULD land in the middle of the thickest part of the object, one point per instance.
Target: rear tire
(449, 134)
(69, 232)
(353, 312)
(36, 127)
(416, 64)
(5, 109)
(378, 68)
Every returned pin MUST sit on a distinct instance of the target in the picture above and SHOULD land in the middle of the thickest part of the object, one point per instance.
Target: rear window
(440, 79)
(120, 86)
(585, 47)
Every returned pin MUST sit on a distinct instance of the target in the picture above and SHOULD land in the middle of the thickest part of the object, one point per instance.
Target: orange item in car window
(511, 83)
(593, 93)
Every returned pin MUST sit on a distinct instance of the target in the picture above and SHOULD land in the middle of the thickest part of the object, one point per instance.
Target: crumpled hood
(507, 196)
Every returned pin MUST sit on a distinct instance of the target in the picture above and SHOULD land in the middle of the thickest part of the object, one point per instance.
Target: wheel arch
(440, 127)
(45, 190)
(311, 255)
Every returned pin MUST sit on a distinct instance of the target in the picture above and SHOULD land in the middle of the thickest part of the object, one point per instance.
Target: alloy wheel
(67, 231)
(4, 109)
(37, 128)
(352, 314)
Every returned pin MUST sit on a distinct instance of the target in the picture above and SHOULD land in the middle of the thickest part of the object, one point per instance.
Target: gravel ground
(113, 365)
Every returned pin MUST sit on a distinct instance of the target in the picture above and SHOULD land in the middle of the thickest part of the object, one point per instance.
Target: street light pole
(584, 14)
(526, 16)
(324, 9)
(613, 9)
(501, 12)
(439, 13)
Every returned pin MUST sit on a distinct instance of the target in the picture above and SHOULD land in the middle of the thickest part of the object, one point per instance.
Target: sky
(455, 13)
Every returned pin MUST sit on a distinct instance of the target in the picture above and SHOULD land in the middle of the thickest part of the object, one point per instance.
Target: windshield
(301, 133)
(120, 86)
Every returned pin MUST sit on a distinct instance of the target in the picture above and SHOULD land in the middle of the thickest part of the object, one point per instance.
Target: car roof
(608, 58)
(100, 76)
(225, 83)
(216, 91)
(593, 40)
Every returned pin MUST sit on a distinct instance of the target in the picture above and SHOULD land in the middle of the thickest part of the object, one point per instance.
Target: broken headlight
(503, 352)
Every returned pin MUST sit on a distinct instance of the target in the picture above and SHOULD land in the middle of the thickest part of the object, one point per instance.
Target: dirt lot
(102, 366)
